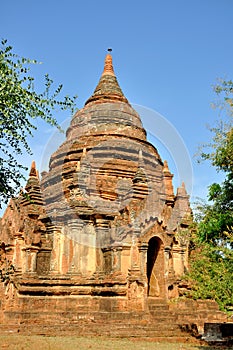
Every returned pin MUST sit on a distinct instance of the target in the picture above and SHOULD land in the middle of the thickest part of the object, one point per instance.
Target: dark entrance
(155, 267)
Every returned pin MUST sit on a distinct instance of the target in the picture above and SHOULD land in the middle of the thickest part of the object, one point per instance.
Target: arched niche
(155, 268)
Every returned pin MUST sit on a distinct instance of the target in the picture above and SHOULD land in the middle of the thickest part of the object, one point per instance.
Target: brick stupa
(103, 229)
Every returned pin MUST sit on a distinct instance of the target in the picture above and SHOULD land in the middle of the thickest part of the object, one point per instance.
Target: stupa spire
(108, 67)
(33, 171)
(32, 188)
(167, 176)
(108, 88)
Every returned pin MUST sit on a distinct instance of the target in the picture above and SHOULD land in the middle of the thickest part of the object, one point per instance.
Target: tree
(218, 216)
(211, 271)
(20, 104)
(211, 264)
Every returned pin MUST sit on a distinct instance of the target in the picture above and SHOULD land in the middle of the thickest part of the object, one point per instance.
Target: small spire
(181, 191)
(33, 171)
(108, 88)
(108, 67)
(168, 183)
(140, 159)
(32, 189)
(165, 167)
(140, 176)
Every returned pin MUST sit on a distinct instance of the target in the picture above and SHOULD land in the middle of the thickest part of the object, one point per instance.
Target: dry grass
(20, 342)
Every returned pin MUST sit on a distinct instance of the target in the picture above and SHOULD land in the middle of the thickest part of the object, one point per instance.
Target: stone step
(187, 315)
(149, 324)
(114, 331)
(164, 318)
(157, 304)
(69, 315)
(199, 312)
(148, 331)
(158, 301)
(146, 336)
(194, 306)
(159, 322)
(158, 307)
(161, 312)
(9, 328)
(161, 317)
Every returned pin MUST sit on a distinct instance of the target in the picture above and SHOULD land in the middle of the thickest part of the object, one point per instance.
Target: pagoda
(102, 229)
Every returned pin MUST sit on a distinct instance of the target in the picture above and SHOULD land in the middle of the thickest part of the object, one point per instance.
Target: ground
(21, 342)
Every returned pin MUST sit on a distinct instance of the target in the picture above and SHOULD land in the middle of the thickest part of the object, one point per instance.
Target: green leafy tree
(211, 268)
(211, 271)
(20, 104)
(218, 215)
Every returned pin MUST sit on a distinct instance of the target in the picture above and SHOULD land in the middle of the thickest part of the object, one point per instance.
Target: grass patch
(21, 342)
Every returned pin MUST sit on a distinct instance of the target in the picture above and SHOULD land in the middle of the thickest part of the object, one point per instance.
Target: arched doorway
(155, 268)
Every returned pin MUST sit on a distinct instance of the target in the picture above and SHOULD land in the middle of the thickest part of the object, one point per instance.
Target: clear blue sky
(167, 54)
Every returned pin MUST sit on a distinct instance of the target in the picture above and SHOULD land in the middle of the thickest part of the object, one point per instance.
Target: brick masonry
(102, 230)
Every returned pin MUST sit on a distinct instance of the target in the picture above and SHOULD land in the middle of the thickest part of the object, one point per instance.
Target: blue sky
(167, 55)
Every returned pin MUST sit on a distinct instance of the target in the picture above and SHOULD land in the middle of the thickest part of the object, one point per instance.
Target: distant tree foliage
(211, 267)
(211, 273)
(20, 104)
(218, 215)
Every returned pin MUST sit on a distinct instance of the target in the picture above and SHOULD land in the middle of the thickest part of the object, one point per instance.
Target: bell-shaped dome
(101, 151)
(107, 111)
